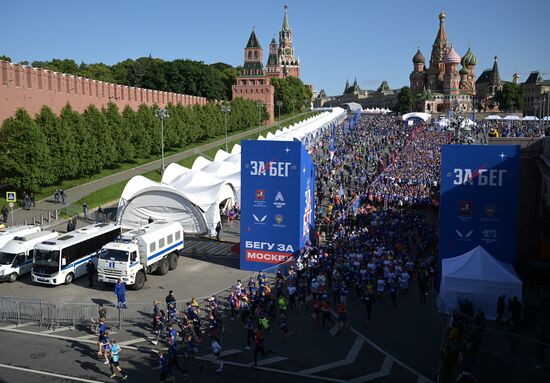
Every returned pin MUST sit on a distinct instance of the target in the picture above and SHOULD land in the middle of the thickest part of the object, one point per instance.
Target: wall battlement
(31, 88)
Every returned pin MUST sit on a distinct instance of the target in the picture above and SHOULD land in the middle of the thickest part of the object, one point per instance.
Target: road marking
(223, 353)
(67, 377)
(92, 336)
(384, 371)
(54, 329)
(21, 325)
(334, 330)
(275, 359)
(350, 358)
(284, 372)
(133, 341)
(402, 364)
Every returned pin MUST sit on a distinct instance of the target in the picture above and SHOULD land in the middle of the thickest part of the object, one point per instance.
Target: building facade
(536, 95)
(383, 97)
(487, 85)
(441, 86)
(253, 83)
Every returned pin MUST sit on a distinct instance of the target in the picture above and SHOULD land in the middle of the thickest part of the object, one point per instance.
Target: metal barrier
(22, 310)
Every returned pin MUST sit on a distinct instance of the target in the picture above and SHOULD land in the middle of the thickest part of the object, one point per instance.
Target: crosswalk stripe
(223, 353)
(56, 329)
(275, 359)
(132, 341)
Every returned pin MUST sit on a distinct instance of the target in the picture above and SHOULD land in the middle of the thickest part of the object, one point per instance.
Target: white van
(16, 255)
(10, 233)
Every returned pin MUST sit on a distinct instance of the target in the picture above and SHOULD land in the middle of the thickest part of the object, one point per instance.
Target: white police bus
(64, 259)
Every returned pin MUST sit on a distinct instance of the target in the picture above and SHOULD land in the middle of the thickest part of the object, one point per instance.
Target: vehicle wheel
(139, 282)
(173, 261)
(163, 266)
(69, 278)
(12, 278)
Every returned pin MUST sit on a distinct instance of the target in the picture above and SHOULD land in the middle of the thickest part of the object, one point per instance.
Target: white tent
(512, 118)
(195, 196)
(478, 277)
(423, 116)
(493, 117)
(530, 118)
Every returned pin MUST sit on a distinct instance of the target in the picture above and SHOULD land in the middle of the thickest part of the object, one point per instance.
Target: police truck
(153, 248)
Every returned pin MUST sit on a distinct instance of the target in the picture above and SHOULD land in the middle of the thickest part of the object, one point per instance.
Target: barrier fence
(34, 311)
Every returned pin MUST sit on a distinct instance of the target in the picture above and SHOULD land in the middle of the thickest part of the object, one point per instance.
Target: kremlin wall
(31, 88)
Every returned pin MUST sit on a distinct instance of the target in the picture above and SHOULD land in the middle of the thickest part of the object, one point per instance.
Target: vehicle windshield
(48, 258)
(6, 258)
(113, 255)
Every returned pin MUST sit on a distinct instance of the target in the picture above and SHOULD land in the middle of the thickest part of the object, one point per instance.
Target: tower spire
(441, 34)
(286, 27)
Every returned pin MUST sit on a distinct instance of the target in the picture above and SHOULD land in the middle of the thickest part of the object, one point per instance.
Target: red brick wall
(250, 89)
(31, 88)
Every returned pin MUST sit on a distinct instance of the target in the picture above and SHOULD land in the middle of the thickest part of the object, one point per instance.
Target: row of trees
(293, 94)
(47, 149)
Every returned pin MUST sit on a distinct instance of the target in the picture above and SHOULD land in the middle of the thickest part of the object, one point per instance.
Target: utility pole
(162, 113)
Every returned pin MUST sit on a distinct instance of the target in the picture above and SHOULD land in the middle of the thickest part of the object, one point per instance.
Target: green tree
(98, 127)
(121, 133)
(293, 93)
(5, 58)
(405, 101)
(63, 151)
(24, 154)
(510, 98)
(138, 139)
(85, 143)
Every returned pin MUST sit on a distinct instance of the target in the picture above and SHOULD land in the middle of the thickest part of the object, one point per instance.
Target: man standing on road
(113, 360)
(120, 292)
(218, 230)
(90, 268)
(85, 210)
(170, 300)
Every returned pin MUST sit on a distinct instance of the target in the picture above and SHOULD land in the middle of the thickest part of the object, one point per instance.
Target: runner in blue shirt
(164, 368)
(114, 360)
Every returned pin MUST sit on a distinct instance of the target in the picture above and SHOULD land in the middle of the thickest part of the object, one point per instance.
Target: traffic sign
(10, 205)
(11, 196)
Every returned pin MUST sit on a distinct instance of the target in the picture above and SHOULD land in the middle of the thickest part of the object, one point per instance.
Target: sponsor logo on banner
(489, 235)
(279, 200)
(279, 218)
(464, 236)
(490, 210)
(465, 208)
(259, 199)
(260, 195)
(259, 220)
(267, 256)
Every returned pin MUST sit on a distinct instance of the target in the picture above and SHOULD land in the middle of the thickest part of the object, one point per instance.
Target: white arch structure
(193, 196)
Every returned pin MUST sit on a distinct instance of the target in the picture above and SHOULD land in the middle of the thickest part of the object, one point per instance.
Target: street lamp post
(461, 134)
(279, 103)
(259, 105)
(162, 113)
(225, 110)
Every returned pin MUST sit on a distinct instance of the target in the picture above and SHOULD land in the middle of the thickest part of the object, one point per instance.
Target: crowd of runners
(367, 248)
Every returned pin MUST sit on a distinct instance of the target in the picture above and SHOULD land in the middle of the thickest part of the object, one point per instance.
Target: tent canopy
(530, 118)
(478, 277)
(512, 118)
(195, 196)
(493, 117)
(417, 115)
